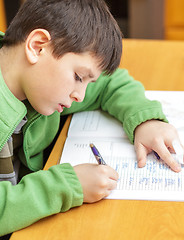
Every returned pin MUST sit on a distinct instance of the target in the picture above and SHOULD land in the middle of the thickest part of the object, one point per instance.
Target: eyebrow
(87, 71)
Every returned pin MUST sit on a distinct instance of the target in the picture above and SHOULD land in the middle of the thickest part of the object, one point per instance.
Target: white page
(173, 107)
(153, 182)
(98, 123)
(156, 181)
(172, 104)
(95, 124)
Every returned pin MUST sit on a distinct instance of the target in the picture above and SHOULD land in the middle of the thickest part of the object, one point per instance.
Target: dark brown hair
(74, 25)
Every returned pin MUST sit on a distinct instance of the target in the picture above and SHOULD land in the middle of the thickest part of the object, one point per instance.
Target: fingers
(166, 156)
(108, 181)
(112, 174)
(141, 153)
(112, 185)
(106, 188)
(109, 177)
(97, 181)
(162, 150)
(178, 148)
(158, 136)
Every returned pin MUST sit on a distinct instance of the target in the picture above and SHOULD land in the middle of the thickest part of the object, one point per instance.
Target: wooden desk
(160, 66)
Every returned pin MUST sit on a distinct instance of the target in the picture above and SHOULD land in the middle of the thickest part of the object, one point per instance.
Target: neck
(10, 63)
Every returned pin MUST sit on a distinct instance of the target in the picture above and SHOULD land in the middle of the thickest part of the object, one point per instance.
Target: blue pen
(97, 154)
(156, 154)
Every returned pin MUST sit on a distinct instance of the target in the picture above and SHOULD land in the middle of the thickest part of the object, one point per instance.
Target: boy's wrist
(142, 116)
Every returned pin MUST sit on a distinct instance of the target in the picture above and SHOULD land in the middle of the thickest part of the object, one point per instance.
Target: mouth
(61, 107)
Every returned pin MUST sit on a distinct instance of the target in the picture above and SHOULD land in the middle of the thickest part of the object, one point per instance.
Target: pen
(97, 154)
(156, 154)
(178, 151)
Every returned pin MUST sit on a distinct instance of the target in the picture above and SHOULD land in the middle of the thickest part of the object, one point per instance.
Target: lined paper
(156, 181)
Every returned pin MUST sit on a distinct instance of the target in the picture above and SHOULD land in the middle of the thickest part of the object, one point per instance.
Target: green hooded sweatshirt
(43, 193)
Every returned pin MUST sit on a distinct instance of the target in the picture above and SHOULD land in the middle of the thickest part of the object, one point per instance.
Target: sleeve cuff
(142, 116)
(73, 193)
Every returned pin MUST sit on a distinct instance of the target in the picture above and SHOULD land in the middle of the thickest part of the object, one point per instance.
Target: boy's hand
(97, 181)
(158, 136)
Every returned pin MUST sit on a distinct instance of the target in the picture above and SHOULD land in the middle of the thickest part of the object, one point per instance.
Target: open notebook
(155, 181)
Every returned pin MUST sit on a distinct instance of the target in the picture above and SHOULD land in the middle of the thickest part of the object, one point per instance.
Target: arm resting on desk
(38, 195)
(123, 97)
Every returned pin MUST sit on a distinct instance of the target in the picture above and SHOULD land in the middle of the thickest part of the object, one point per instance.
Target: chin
(43, 110)
(45, 113)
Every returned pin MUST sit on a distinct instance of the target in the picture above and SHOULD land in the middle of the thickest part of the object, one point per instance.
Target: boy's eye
(77, 78)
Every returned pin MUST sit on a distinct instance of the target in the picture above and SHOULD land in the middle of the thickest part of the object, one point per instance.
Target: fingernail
(141, 163)
(178, 168)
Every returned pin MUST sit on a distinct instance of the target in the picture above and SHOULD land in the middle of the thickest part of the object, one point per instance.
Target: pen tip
(91, 145)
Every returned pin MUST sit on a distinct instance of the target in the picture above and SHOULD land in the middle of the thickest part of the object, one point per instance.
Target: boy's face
(52, 84)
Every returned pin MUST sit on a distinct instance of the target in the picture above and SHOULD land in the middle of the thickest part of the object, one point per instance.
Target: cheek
(64, 84)
(59, 91)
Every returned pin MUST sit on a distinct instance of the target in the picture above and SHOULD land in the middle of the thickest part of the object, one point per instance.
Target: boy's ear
(35, 43)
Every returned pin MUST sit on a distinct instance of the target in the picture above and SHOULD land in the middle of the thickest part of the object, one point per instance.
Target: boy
(51, 57)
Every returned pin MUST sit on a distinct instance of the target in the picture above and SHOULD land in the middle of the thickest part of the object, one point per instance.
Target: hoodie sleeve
(38, 195)
(122, 97)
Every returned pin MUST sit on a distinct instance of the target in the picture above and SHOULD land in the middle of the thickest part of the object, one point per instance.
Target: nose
(78, 95)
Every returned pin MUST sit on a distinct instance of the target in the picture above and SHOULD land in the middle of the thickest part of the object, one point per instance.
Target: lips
(61, 106)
